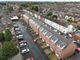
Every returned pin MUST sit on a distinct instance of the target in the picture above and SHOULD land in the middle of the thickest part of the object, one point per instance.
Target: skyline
(40, 0)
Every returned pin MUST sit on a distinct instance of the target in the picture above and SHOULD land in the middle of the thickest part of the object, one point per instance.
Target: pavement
(17, 57)
(34, 49)
(75, 57)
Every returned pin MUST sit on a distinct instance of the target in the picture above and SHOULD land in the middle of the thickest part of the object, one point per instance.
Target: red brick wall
(63, 53)
(68, 51)
(75, 37)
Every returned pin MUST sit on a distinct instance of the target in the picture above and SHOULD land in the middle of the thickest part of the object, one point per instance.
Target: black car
(18, 32)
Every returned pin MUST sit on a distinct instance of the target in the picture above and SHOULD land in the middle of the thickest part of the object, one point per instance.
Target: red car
(78, 49)
(30, 58)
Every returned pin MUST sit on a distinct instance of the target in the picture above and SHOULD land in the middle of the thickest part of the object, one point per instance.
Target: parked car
(14, 22)
(19, 37)
(18, 32)
(17, 29)
(15, 25)
(22, 43)
(78, 45)
(30, 58)
(24, 50)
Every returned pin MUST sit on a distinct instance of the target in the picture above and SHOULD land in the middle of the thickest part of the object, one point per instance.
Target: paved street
(75, 57)
(17, 57)
(34, 49)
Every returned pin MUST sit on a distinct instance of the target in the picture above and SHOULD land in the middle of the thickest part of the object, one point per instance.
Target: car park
(22, 43)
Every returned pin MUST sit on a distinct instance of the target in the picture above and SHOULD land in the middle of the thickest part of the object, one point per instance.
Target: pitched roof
(62, 41)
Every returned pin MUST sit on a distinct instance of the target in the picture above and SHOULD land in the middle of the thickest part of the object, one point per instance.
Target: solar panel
(44, 32)
(55, 39)
(61, 44)
(49, 35)
(41, 29)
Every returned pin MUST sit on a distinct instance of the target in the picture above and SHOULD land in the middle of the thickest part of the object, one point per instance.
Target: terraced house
(61, 46)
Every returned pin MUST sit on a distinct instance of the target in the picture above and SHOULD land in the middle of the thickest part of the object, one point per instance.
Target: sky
(45, 0)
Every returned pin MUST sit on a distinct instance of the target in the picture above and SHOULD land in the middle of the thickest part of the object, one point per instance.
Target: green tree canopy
(24, 5)
(8, 35)
(1, 37)
(8, 50)
(35, 8)
(54, 17)
(49, 14)
(10, 8)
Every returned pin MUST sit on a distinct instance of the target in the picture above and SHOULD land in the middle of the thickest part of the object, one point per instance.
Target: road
(75, 57)
(34, 49)
(17, 57)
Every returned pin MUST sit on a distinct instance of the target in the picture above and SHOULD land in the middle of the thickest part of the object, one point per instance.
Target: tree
(10, 8)
(1, 56)
(8, 35)
(20, 8)
(1, 37)
(35, 8)
(8, 50)
(24, 5)
(69, 20)
(49, 14)
(54, 17)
